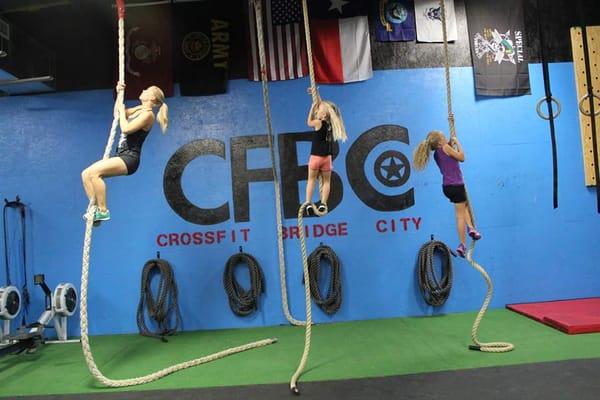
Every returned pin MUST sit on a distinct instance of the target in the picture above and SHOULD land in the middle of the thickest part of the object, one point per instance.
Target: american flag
(285, 48)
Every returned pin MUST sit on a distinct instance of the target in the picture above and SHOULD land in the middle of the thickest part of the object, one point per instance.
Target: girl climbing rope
(325, 117)
(135, 124)
(447, 155)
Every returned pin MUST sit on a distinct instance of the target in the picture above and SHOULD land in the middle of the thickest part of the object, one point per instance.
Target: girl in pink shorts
(325, 118)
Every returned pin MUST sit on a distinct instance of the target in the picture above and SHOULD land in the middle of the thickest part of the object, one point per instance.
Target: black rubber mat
(574, 379)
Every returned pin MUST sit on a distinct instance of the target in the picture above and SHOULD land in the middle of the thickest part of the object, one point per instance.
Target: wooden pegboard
(593, 37)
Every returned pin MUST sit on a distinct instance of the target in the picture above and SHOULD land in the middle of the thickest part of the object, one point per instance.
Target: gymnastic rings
(539, 108)
(588, 113)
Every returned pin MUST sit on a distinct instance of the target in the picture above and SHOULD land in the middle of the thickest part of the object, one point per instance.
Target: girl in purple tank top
(447, 156)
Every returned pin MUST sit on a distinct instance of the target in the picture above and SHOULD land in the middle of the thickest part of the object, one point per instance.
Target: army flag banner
(202, 37)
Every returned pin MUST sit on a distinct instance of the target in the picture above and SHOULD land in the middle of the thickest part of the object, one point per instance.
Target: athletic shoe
(475, 235)
(461, 250)
(322, 208)
(309, 210)
(102, 216)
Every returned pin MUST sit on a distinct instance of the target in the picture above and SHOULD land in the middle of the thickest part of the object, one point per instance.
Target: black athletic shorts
(456, 193)
(131, 159)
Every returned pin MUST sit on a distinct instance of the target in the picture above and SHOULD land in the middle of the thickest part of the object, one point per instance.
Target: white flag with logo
(428, 18)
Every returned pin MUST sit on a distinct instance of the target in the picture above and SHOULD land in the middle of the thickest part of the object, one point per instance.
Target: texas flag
(341, 43)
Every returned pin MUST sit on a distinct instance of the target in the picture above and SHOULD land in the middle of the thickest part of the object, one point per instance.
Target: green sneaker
(101, 216)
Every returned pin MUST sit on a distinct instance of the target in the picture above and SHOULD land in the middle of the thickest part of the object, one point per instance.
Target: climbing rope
(161, 307)
(492, 347)
(307, 286)
(332, 302)
(266, 103)
(435, 290)
(241, 301)
(87, 243)
(267, 108)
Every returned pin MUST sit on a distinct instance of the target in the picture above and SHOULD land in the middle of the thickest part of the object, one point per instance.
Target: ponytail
(337, 123)
(163, 112)
(421, 154)
(163, 117)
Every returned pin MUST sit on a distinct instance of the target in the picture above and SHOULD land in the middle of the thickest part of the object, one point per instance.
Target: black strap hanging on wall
(160, 308)
(435, 290)
(332, 302)
(241, 301)
(590, 97)
(20, 207)
(548, 99)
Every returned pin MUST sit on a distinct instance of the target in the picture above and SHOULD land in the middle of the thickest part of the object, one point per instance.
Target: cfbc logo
(391, 168)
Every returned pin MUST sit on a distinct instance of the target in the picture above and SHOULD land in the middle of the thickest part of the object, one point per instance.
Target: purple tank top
(448, 167)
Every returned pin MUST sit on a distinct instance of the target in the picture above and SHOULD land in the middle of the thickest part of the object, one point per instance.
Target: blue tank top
(449, 168)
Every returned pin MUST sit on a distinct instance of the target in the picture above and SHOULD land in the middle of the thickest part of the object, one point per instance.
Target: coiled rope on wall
(87, 244)
(243, 302)
(435, 290)
(164, 305)
(333, 300)
(491, 347)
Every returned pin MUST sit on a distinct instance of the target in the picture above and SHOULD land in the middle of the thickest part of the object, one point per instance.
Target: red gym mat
(569, 316)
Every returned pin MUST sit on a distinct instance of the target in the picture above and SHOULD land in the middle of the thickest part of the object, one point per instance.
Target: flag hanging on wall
(148, 50)
(203, 46)
(285, 46)
(394, 20)
(340, 40)
(496, 33)
(428, 16)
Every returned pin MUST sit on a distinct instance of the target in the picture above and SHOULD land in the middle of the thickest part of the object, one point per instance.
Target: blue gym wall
(531, 251)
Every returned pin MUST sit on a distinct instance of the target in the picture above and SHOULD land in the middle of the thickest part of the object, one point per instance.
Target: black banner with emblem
(148, 58)
(497, 34)
(203, 46)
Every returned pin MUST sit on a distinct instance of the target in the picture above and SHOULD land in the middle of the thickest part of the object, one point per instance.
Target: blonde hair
(421, 154)
(335, 119)
(163, 112)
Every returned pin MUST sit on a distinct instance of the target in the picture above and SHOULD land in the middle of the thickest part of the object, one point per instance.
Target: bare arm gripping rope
(87, 352)
(491, 347)
(257, 4)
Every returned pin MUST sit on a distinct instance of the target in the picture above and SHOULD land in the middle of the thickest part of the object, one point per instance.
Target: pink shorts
(320, 163)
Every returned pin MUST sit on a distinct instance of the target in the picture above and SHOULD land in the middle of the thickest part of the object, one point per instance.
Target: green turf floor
(339, 351)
